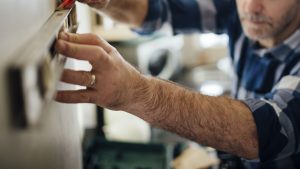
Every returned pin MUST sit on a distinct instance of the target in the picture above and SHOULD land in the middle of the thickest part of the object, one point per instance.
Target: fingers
(99, 4)
(81, 78)
(89, 1)
(77, 96)
(93, 54)
(88, 39)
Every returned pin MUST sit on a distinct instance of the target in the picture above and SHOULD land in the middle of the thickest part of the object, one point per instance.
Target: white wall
(55, 142)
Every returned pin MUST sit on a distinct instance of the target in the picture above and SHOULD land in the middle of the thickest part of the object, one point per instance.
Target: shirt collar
(281, 51)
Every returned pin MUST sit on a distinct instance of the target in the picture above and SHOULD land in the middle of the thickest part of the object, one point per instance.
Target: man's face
(267, 19)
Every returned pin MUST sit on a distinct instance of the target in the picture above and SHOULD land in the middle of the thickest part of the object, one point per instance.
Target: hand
(99, 4)
(112, 82)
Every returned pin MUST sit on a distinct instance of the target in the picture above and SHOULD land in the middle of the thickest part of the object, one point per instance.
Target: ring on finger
(93, 80)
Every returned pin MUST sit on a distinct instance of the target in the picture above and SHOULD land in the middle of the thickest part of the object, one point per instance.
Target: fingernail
(63, 36)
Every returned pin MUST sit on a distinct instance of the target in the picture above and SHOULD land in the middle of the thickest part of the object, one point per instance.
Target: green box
(101, 154)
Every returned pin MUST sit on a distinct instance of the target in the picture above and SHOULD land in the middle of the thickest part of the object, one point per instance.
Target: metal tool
(66, 4)
(33, 75)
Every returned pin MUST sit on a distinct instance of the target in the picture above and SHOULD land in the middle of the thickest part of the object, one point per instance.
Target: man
(262, 122)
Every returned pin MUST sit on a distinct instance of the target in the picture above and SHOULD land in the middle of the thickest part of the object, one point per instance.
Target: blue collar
(282, 51)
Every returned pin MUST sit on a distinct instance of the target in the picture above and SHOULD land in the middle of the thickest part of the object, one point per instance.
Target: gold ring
(93, 80)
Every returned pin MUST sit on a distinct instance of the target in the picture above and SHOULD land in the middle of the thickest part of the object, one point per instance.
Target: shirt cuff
(154, 18)
(270, 138)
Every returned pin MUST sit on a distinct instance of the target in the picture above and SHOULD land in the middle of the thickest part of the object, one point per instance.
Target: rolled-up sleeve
(186, 16)
(277, 117)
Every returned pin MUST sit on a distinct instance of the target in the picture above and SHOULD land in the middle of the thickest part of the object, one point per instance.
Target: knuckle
(99, 52)
(94, 36)
(99, 40)
(96, 39)
(100, 49)
(73, 37)
(113, 49)
(67, 48)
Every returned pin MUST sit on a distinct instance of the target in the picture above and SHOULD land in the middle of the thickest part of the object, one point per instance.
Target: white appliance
(157, 56)
(160, 57)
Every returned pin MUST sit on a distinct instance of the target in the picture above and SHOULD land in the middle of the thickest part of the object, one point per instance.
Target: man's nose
(254, 6)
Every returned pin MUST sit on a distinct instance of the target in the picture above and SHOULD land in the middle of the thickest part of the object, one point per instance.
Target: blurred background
(38, 133)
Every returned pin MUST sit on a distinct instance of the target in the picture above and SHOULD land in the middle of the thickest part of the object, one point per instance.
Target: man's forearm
(219, 122)
(132, 12)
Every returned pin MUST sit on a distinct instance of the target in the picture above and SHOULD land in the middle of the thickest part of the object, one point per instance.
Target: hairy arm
(219, 122)
(132, 12)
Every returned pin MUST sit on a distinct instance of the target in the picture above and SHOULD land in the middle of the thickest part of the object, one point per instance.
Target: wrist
(140, 95)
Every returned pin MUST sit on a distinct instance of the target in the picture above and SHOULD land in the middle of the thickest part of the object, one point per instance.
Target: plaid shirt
(267, 80)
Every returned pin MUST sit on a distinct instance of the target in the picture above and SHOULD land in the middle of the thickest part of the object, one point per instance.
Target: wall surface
(55, 142)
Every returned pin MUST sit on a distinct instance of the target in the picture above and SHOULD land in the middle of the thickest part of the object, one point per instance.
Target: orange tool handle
(66, 4)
